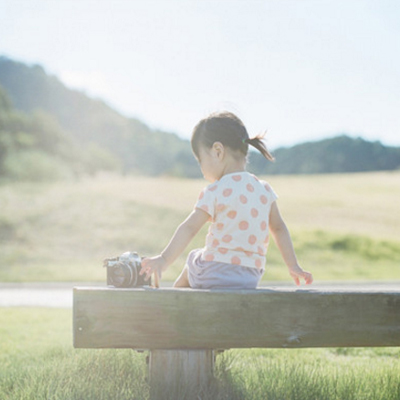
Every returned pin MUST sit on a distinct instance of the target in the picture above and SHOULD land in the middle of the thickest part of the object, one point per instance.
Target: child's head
(228, 129)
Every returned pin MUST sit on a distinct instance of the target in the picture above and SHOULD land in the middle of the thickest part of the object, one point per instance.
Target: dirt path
(59, 295)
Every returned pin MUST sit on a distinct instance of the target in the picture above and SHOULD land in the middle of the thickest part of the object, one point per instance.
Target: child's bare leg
(183, 280)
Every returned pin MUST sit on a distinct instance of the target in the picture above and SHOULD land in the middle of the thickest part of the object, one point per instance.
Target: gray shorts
(211, 275)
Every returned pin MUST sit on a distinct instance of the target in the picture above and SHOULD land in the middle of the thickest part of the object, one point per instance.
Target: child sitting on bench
(241, 208)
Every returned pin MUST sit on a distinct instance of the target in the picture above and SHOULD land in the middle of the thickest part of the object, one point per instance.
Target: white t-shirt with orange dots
(239, 205)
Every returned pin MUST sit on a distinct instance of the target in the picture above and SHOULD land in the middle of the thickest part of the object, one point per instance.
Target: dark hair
(227, 128)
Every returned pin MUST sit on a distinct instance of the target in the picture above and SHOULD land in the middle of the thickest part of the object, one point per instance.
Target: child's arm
(283, 240)
(181, 238)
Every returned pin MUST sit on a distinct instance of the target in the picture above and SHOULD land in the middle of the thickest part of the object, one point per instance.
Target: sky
(299, 69)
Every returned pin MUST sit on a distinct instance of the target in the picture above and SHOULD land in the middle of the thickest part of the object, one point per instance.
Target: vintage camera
(123, 271)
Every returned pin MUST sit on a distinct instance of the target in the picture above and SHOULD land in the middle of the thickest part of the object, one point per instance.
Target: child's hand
(297, 272)
(153, 265)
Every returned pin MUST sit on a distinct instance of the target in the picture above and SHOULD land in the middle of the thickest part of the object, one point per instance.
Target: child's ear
(218, 149)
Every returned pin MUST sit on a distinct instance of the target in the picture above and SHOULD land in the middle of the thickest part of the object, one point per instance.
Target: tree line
(339, 154)
(48, 131)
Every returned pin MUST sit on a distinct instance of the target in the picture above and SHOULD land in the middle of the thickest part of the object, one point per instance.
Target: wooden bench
(182, 327)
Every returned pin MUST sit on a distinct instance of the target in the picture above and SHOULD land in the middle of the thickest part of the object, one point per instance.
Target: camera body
(123, 271)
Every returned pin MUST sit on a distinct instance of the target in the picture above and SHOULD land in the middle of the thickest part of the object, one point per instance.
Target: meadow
(37, 362)
(344, 228)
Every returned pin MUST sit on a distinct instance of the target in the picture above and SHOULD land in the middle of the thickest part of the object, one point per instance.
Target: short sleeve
(207, 200)
(270, 191)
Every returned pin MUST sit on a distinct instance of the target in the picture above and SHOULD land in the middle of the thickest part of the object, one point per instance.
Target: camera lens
(122, 275)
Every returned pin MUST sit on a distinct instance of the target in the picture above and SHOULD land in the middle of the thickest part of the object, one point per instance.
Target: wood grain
(223, 319)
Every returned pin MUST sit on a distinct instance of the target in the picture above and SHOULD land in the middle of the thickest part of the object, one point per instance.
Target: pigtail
(259, 144)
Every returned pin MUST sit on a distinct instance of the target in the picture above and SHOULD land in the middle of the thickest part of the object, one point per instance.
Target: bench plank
(221, 319)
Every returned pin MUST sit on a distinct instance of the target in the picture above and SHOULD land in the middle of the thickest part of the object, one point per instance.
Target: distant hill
(339, 154)
(139, 148)
(34, 147)
(97, 137)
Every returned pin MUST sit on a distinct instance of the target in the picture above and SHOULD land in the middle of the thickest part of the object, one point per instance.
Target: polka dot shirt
(239, 205)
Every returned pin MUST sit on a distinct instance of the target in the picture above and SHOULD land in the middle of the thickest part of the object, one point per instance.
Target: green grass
(319, 374)
(344, 227)
(37, 362)
(337, 256)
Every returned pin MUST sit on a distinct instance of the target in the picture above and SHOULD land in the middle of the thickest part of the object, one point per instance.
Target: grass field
(37, 362)
(344, 227)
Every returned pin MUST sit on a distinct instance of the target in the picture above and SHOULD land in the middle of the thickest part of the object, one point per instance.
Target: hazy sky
(301, 69)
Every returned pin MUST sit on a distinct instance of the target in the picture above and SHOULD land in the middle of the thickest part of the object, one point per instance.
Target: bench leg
(179, 372)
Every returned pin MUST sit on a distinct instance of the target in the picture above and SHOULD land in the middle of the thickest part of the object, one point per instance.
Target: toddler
(241, 208)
